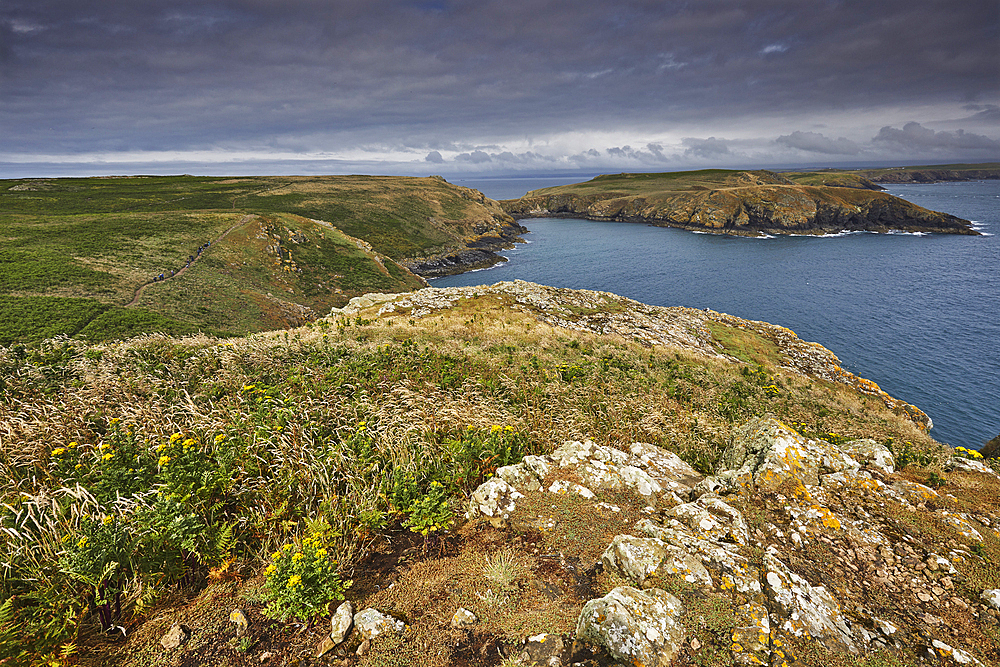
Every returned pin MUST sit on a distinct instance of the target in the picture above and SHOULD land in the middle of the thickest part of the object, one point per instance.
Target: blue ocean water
(918, 314)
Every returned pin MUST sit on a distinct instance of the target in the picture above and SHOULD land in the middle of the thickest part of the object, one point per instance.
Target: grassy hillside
(155, 480)
(280, 247)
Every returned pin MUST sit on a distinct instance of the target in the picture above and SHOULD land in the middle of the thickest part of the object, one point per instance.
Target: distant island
(746, 203)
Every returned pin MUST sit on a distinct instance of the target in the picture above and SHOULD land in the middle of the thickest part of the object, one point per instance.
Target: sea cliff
(739, 203)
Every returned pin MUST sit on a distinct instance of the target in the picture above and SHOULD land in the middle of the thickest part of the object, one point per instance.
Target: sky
(493, 87)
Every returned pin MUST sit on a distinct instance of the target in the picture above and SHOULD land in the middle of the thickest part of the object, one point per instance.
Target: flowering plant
(964, 453)
(301, 580)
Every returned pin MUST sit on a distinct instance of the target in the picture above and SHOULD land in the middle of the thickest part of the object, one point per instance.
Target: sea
(917, 313)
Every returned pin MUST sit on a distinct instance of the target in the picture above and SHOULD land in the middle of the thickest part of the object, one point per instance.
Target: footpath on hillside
(194, 258)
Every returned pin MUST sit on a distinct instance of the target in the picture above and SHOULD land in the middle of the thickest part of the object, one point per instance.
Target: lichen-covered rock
(371, 623)
(771, 456)
(175, 637)
(605, 468)
(960, 464)
(464, 618)
(870, 453)
(751, 638)
(634, 558)
(341, 622)
(710, 518)
(992, 597)
(939, 648)
(668, 469)
(639, 627)
(731, 570)
(495, 500)
(803, 609)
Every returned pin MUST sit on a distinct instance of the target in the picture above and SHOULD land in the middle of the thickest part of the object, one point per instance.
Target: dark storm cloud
(915, 137)
(453, 76)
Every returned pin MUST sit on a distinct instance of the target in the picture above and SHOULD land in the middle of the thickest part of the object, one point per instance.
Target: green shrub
(302, 580)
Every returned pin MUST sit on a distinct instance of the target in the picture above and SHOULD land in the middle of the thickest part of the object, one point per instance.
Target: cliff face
(488, 229)
(748, 204)
(931, 175)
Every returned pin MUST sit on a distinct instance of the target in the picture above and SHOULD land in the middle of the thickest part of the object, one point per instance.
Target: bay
(918, 314)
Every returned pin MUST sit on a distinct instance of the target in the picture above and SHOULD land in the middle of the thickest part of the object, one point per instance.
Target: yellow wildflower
(269, 570)
(175, 437)
(297, 556)
(219, 438)
(82, 543)
(108, 456)
(74, 445)
(495, 428)
(276, 555)
(58, 451)
(78, 466)
(321, 553)
(106, 519)
(294, 580)
(164, 460)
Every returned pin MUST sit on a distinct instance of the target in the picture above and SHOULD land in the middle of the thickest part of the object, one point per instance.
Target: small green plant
(570, 372)
(936, 481)
(301, 580)
(431, 512)
(502, 568)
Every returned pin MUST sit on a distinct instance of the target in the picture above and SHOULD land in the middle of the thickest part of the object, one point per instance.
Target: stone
(638, 627)
(543, 650)
(265, 656)
(803, 609)
(751, 638)
(240, 619)
(961, 464)
(176, 636)
(371, 623)
(710, 518)
(870, 453)
(634, 558)
(341, 622)
(463, 618)
(495, 500)
(992, 597)
(946, 651)
(325, 646)
(773, 457)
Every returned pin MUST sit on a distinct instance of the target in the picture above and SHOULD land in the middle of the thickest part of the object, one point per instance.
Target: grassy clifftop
(80, 255)
(170, 481)
(738, 202)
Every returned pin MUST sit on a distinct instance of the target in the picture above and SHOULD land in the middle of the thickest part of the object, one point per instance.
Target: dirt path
(138, 292)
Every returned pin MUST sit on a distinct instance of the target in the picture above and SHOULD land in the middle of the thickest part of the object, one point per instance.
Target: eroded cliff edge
(749, 203)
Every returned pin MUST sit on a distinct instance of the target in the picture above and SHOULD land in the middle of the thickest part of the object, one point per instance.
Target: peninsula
(745, 203)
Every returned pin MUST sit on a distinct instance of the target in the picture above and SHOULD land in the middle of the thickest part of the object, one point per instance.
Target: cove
(918, 314)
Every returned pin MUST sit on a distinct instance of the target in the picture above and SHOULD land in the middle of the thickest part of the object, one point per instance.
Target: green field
(283, 250)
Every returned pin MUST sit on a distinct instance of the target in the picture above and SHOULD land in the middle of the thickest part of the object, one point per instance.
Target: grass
(270, 266)
(223, 451)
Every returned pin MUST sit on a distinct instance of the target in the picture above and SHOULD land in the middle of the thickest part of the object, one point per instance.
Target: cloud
(705, 148)
(815, 142)
(477, 84)
(915, 136)
(476, 157)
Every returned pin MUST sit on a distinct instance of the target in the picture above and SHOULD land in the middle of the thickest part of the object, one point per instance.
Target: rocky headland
(487, 229)
(740, 203)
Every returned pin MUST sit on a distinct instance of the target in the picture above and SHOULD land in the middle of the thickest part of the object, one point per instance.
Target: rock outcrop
(802, 540)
